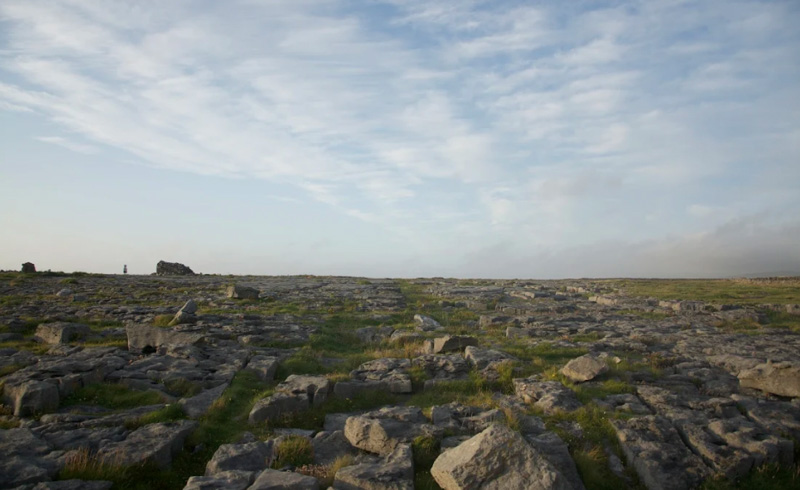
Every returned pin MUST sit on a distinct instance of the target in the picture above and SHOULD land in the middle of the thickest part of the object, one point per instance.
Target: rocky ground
(204, 382)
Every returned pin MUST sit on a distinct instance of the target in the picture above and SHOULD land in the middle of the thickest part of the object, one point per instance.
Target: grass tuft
(293, 451)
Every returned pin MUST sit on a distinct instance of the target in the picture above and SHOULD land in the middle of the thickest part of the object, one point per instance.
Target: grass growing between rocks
(425, 449)
(767, 477)
(82, 464)
(112, 396)
(169, 413)
(589, 446)
(719, 291)
(293, 451)
(314, 419)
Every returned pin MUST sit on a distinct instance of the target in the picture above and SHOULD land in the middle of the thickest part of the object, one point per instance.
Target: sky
(402, 138)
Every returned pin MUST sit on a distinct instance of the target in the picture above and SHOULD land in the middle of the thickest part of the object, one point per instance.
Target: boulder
(264, 366)
(277, 405)
(584, 368)
(550, 396)
(61, 332)
(484, 358)
(172, 269)
(452, 343)
(497, 458)
(146, 336)
(395, 472)
(247, 457)
(383, 430)
(152, 443)
(391, 372)
(284, 480)
(198, 405)
(426, 323)
(780, 378)
(241, 292)
(330, 445)
(32, 397)
(28, 268)
(64, 293)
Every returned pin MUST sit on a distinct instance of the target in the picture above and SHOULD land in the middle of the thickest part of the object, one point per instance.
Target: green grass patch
(718, 291)
(26, 345)
(314, 419)
(293, 451)
(169, 413)
(781, 319)
(112, 396)
(163, 320)
(766, 477)
(182, 387)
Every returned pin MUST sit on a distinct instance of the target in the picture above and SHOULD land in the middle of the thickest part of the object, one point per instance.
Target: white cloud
(550, 124)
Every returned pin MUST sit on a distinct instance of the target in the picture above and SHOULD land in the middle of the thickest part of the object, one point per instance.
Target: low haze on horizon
(402, 138)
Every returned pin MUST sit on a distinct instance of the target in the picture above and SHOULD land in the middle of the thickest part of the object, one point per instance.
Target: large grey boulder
(298, 393)
(143, 336)
(497, 458)
(186, 314)
(277, 405)
(241, 292)
(61, 332)
(485, 358)
(395, 472)
(247, 457)
(284, 480)
(655, 449)
(550, 396)
(32, 397)
(152, 443)
(264, 366)
(383, 430)
(779, 378)
(452, 343)
(172, 269)
(330, 445)
(584, 368)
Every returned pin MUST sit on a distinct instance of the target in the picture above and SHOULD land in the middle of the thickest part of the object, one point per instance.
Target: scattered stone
(452, 343)
(584, 368)
(241, 292)
(395, 472)
(780, 378)
(64, 293)
(284, 480)
(141, 337)
(497, 458)
(550, 396)
(383, 430)
(426, 323)
(247, 457)
(298, 393)
(61, 332)
(28, 268)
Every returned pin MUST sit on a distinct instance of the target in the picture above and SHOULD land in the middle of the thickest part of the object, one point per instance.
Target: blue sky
(402, 137)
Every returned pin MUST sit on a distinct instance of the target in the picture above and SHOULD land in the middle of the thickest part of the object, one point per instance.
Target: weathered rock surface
(61, 332)
(283, 480)
(153, 443)
(395, 472)
(584, 368)
(497, 458)
(296, 394)
(659, 456)
(141, 337)
(172, 269)
(247, 457)
(383, 430)
(242, 292)
(452, 343)
(781, 378)
(550, 396)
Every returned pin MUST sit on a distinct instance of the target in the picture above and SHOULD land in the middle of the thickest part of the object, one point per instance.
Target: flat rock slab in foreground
(658, 454)
(780, 378)
(497, 458)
